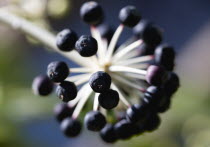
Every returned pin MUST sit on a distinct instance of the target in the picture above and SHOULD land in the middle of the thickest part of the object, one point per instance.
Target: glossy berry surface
(164, 56)
(108, 134)
(62, 111)
(109, 99)
(66, 91)
(86, 46)
(57, 71)
(66, 40)
(100, 81)
(71, 127)
(129, 16)
(94, 121)
(42, 85)
(91, 13)
(156, 75)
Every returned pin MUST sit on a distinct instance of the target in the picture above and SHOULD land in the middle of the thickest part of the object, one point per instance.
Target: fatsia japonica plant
(129, 85)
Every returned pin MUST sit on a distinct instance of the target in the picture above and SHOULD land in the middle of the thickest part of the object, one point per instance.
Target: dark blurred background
(27, 120)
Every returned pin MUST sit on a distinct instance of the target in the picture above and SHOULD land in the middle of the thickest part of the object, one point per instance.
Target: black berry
(42, 85)
(109, 99)
(156, 75)
(62, 111)
(100, 81)
(172, 84)
(66, 91)
(86, 46)
(108, 134)
(71, 127)
(129, 16)
(66, 40)
(152, 123)
(92, 13)
(94, 121)
(164, 56)
(150, 33)
(105, 31)
(57, 71)
(137, 112)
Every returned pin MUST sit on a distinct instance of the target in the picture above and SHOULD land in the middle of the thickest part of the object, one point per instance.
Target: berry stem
(80, 92)
(127, 49)
(39, 34)
(114, 42)
(82, 80)
(116, 68)
(147, 58)
(96, 103)
(127, 82)
(85, 95)
(122, 97)
(77, 77)
(80, 70)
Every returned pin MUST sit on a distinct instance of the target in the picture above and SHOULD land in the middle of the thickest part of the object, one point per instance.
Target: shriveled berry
(62, 111)
(86, 46)
(172, 84)
(100, 81)
(105, 31)
(129, 16)
(152, 123)
(109, 99)
(71, 127)
(57, 71)
(156, 75)
(91, 13)
(108, 134)
(94, 121)
(42, 85)
(137, 112)
(66, 91)
(150, 33)
(66, 40)
(164, 56)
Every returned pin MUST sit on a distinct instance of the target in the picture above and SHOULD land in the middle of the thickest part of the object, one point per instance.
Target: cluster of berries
(139, 71)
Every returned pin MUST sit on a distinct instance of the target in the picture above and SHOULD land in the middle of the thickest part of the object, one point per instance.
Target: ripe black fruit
(62, 111)
(108, 134)
(66, 91)
(57, 71)
(71, 127)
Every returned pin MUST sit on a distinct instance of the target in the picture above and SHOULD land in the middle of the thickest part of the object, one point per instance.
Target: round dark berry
(100, 81)
(94, 121)
(137, 112)
(164, 106)
(150, 33)
(71, 127)
(105, 32)
(66, 40)
(172, 84)
(129, 16)
(154, 96)
(152, 123)
(124, 129)
(156, 75)
(42, 85)
(145, 49)
(57, 71)
(86, 46)
(108, 134)
(109, 99)
(62, 111)
(66, 91)
(92, 13)
(164, 56)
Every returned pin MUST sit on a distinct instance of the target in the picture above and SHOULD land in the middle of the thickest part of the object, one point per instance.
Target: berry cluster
(136, 78)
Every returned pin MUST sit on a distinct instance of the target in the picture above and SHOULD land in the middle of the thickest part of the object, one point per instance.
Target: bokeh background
(27, 120)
